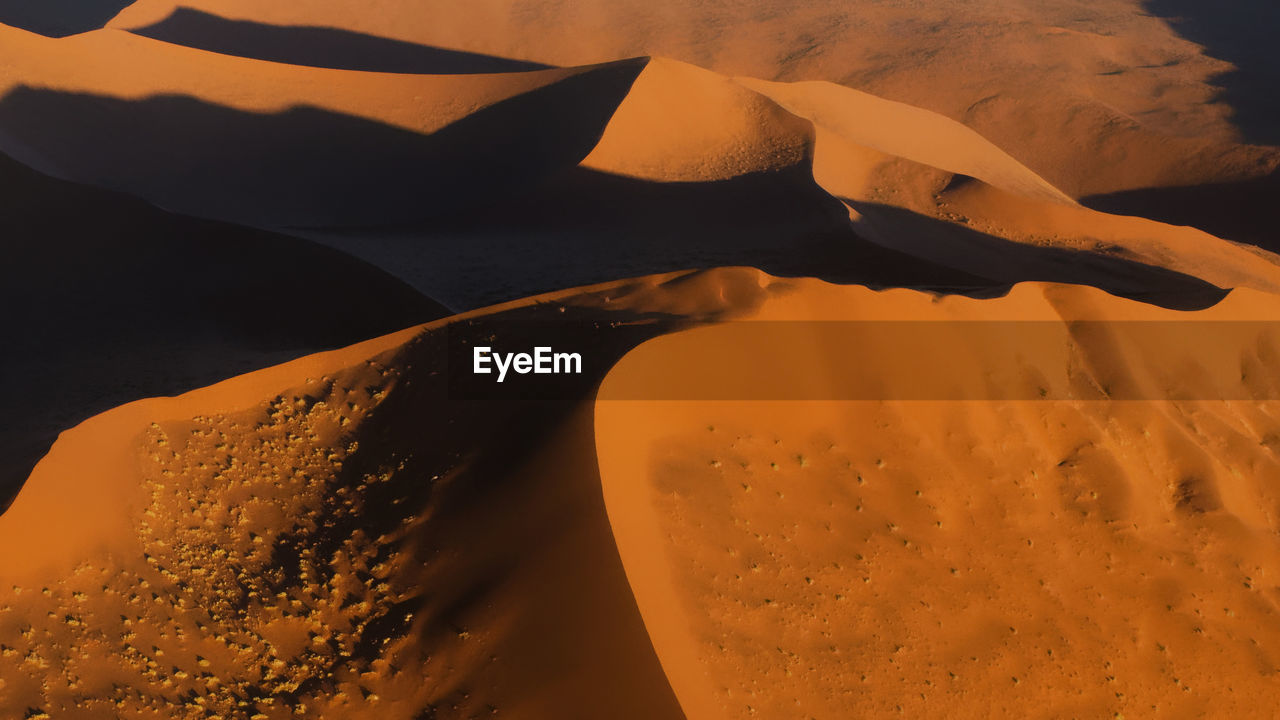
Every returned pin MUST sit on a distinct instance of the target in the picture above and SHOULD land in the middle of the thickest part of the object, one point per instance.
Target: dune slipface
(907, 361)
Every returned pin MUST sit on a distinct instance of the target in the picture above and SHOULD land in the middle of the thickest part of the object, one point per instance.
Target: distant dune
(443, 179)
(929, 360)
(1098, 97)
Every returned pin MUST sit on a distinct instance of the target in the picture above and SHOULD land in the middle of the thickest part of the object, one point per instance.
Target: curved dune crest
(121, 300)
(907, 132)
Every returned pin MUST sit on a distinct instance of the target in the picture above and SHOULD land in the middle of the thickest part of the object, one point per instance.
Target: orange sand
(1086, 530)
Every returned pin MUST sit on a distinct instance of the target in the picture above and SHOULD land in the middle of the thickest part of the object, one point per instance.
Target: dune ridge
(429, 157)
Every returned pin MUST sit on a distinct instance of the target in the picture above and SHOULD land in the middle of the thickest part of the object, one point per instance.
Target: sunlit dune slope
(1040, 505)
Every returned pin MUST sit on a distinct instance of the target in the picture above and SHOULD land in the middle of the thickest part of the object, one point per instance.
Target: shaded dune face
(59, 18)
(111, 300)
(321, 47)
(1236, 210)
(778, 221)
(305, 166)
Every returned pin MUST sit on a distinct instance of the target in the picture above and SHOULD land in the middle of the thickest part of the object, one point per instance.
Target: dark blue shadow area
(1242, 32)
(583, 227)
(106, 299)
(60, 18)
(1245, 211)
(321, 47)
(307, 166)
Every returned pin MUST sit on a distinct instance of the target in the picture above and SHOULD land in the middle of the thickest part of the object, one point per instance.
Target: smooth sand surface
(1070, 555)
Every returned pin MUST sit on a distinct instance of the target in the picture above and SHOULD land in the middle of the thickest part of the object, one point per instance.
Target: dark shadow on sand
(1010, 262)
(306, 166)
(107, 300)
(60, 18)
(1246, 211)
(583, 227)
(1242, 32)
(321, 47)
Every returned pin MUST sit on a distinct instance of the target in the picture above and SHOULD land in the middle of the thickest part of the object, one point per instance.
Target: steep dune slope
(872, 504)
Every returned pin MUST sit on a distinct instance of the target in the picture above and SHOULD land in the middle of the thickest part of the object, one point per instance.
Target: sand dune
(276, 145)
(1122, 80)
(429, 177)
(320, 537)
(337, 537)
(890, 419)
